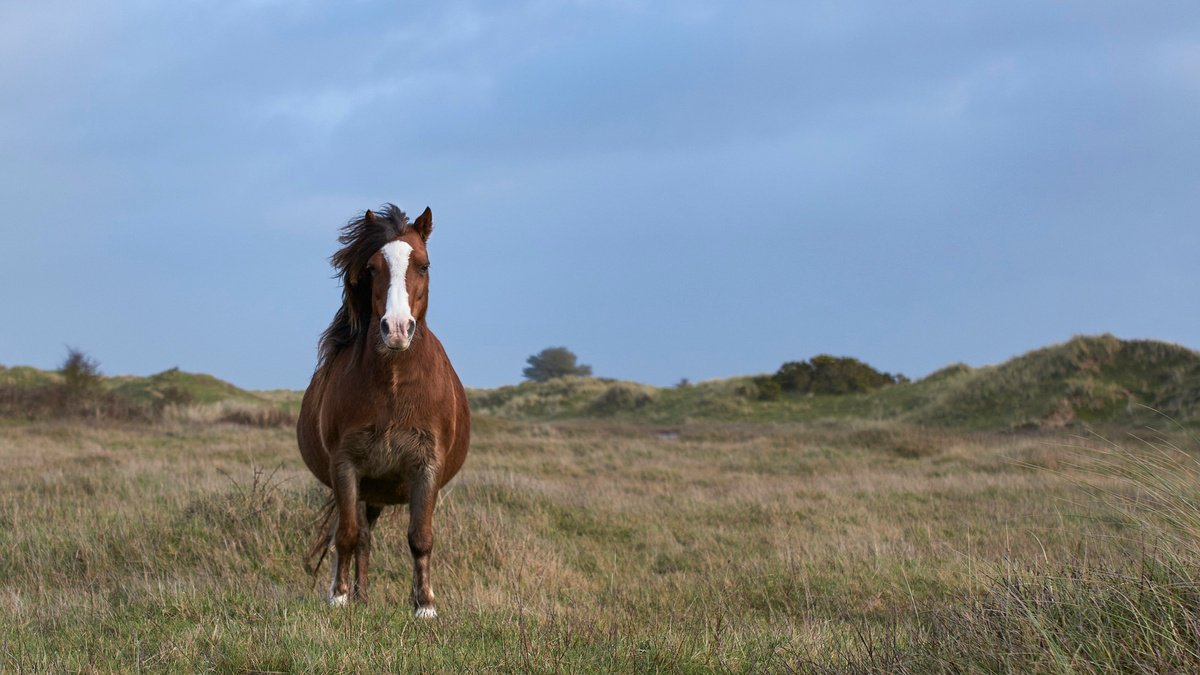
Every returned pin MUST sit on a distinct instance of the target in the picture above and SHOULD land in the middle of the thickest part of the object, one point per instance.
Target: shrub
(834, 375)
(795, 376)
(766, 388)
(826, 374)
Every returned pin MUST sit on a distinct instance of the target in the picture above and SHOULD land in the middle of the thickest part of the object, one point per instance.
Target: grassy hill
(197, 387)
(175, 384)
(1098, 380)
(27, 392)
(1087, 380)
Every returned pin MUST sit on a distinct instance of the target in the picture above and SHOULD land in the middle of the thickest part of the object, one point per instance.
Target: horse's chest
(396, 452)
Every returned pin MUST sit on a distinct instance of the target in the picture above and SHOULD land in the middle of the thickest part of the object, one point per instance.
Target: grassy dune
(599, 545)
(1079, 384)
(1085, 381)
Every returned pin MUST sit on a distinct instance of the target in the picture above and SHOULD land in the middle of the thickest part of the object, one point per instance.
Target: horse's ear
(424, 224)
(369, 217)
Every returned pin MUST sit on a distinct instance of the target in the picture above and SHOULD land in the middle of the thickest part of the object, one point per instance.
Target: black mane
(360, 240)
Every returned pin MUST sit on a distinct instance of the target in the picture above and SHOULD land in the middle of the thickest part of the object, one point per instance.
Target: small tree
(80, 391)
(81, 373)
(554, 362)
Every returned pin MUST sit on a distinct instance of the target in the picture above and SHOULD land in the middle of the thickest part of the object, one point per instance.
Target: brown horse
(385, 418)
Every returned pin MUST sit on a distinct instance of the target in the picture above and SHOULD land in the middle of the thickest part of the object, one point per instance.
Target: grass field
(594, 545)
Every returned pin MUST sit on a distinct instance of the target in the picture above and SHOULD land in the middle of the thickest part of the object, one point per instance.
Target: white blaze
(397, 253)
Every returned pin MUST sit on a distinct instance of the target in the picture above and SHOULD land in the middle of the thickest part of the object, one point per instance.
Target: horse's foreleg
(421, 502)
(345, 539)
(367, 514)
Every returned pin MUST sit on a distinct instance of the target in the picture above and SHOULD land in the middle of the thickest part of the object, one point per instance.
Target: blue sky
(670, 189)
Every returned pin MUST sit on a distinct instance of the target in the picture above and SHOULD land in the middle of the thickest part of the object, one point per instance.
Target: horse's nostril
(383, 327)
(412, 329)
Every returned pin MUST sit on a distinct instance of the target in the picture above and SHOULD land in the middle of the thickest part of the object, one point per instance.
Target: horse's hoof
(339, 600)
(426, 613)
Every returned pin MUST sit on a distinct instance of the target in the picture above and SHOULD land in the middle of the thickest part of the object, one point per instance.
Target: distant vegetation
(553, 362)
(79, 390)
(76, 389)
(1086, 381)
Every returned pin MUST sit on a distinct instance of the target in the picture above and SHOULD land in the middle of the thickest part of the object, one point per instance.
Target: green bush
(766, 388)
(826, 374)
(794, 376)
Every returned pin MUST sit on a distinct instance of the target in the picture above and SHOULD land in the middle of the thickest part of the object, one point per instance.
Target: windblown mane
(360, 238)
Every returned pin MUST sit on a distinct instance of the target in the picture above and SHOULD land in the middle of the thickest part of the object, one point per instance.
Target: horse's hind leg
(368, 514)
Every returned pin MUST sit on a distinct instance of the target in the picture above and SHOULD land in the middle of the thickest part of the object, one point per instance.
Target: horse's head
(399, 280)
(384, 268)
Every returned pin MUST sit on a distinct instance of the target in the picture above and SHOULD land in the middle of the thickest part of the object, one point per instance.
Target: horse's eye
(424, 269)
(371, 269)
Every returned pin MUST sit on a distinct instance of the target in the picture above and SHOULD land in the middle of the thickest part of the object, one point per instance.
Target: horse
(385, 419)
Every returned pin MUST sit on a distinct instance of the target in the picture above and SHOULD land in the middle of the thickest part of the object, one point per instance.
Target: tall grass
(1093, 613)
(608, 545)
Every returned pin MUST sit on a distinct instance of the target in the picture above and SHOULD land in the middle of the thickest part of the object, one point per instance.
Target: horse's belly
(385, 463)
(383, 490)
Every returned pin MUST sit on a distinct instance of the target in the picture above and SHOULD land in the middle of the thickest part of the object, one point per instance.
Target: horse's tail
(326, 523)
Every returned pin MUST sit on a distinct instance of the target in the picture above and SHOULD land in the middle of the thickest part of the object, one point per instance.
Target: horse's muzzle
(397, 333)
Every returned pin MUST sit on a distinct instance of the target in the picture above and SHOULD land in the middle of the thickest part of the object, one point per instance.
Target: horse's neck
(398, 369)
